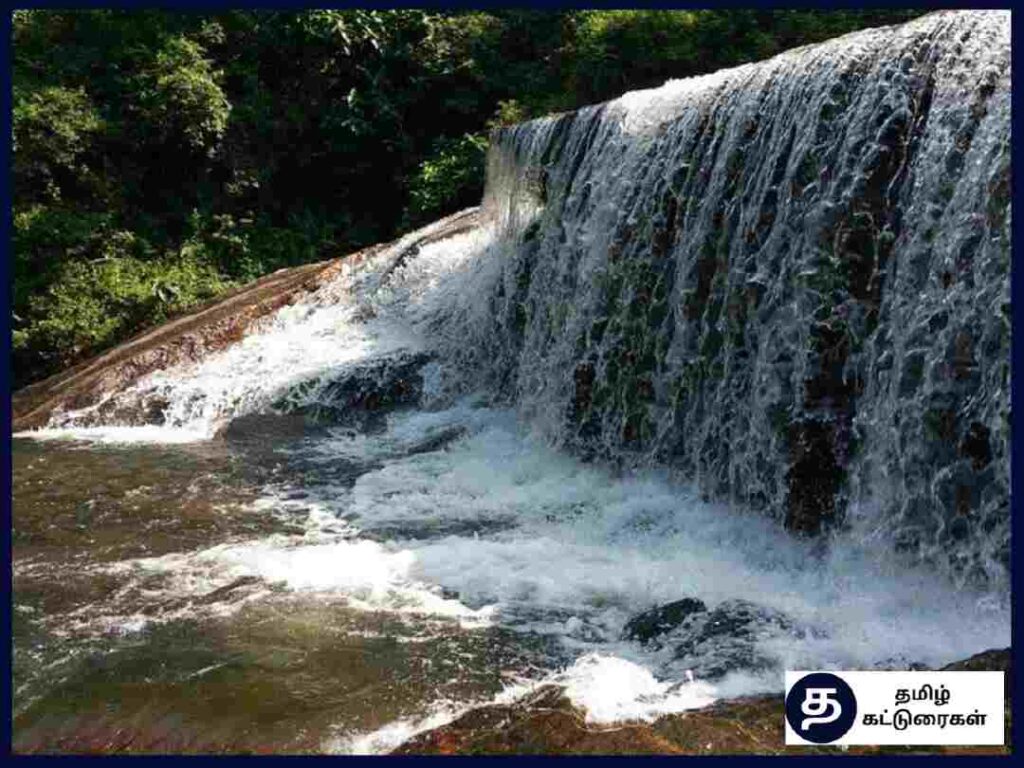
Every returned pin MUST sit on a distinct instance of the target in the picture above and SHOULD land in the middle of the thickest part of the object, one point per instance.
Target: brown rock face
(546, 722)
(185, 339)
(196, 334)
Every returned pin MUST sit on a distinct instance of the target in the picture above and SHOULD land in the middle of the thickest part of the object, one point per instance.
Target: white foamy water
(464, 514)
(368, 575)
(114, 435)
(385, 739)
(587, 550)
(496, 528)
(463, 511)
(392, 306)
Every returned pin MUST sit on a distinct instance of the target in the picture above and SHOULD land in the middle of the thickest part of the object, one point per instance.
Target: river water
(186, 598)
(335, 591)
(460, 468)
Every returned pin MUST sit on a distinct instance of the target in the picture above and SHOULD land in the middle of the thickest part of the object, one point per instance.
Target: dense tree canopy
(161, 157)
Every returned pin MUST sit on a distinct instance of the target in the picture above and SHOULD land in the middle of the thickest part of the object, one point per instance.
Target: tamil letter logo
(821, 707)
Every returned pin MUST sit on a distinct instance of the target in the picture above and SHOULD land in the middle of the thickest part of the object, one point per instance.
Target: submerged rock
(362, 392)
(726, 639)
(712, 643)
(664, 618)
(435, 528)
(264, 427)
(133, 409)
(436, 441)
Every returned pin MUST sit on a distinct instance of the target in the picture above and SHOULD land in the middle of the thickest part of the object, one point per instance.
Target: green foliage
(91, 305)
(509, 112)
(52, 128)
(160, 156)
(605, 41)
(179, 96)
(449, 179)
(46, 238)
(244, 250)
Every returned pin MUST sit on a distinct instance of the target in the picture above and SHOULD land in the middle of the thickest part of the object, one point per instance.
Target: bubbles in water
(788, 270)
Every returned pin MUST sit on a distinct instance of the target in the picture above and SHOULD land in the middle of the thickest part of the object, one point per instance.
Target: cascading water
(775, 293)
(789, 279)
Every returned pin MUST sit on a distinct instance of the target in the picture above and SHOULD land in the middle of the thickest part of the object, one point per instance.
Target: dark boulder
(360, 394)
(713, 643)
(436, 441)
(657, 621)
(993, 660)
(264, 427)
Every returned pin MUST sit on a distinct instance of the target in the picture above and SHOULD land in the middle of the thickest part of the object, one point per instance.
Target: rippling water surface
(364, 517)
(163, 601)
(325, 589)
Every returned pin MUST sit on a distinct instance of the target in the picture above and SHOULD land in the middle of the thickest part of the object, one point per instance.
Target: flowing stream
(740, 339)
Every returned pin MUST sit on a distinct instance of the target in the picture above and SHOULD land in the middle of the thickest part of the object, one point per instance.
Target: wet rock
(713, 643)
(546, 722)
(262, 427)
(228, 590)
(899, 664)
(362, 393)
(436, 441)
(134, 409)
(975, 445)
(657, 621)
(993, 660)
(183, 340)
(439, 528)
(814, 476)
(740, 618)
(542, 722)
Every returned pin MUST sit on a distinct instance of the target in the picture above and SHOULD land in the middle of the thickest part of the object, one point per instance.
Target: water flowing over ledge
(773, 296)
(789, 279)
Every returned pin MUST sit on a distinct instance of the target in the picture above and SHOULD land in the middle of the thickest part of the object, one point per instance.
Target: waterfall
(714, 383)
(789, 280)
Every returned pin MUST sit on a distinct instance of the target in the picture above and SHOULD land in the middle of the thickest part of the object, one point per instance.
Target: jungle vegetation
(160, 158)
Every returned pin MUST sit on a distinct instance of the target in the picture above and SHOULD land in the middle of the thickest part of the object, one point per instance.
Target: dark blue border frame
(198, 5)
(1017, 292)
(5, 375)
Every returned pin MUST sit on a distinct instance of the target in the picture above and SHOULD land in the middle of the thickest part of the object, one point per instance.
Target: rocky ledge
(546, 722)
(185, 339)
(191, 337)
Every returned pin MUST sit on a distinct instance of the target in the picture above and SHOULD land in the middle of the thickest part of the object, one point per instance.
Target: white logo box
(906, 712)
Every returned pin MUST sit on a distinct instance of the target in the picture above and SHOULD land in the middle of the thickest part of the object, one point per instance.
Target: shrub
(180, 97)
(243, 249)
(44, 238)
(92, 304)
(51, 129)
(450, 178)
